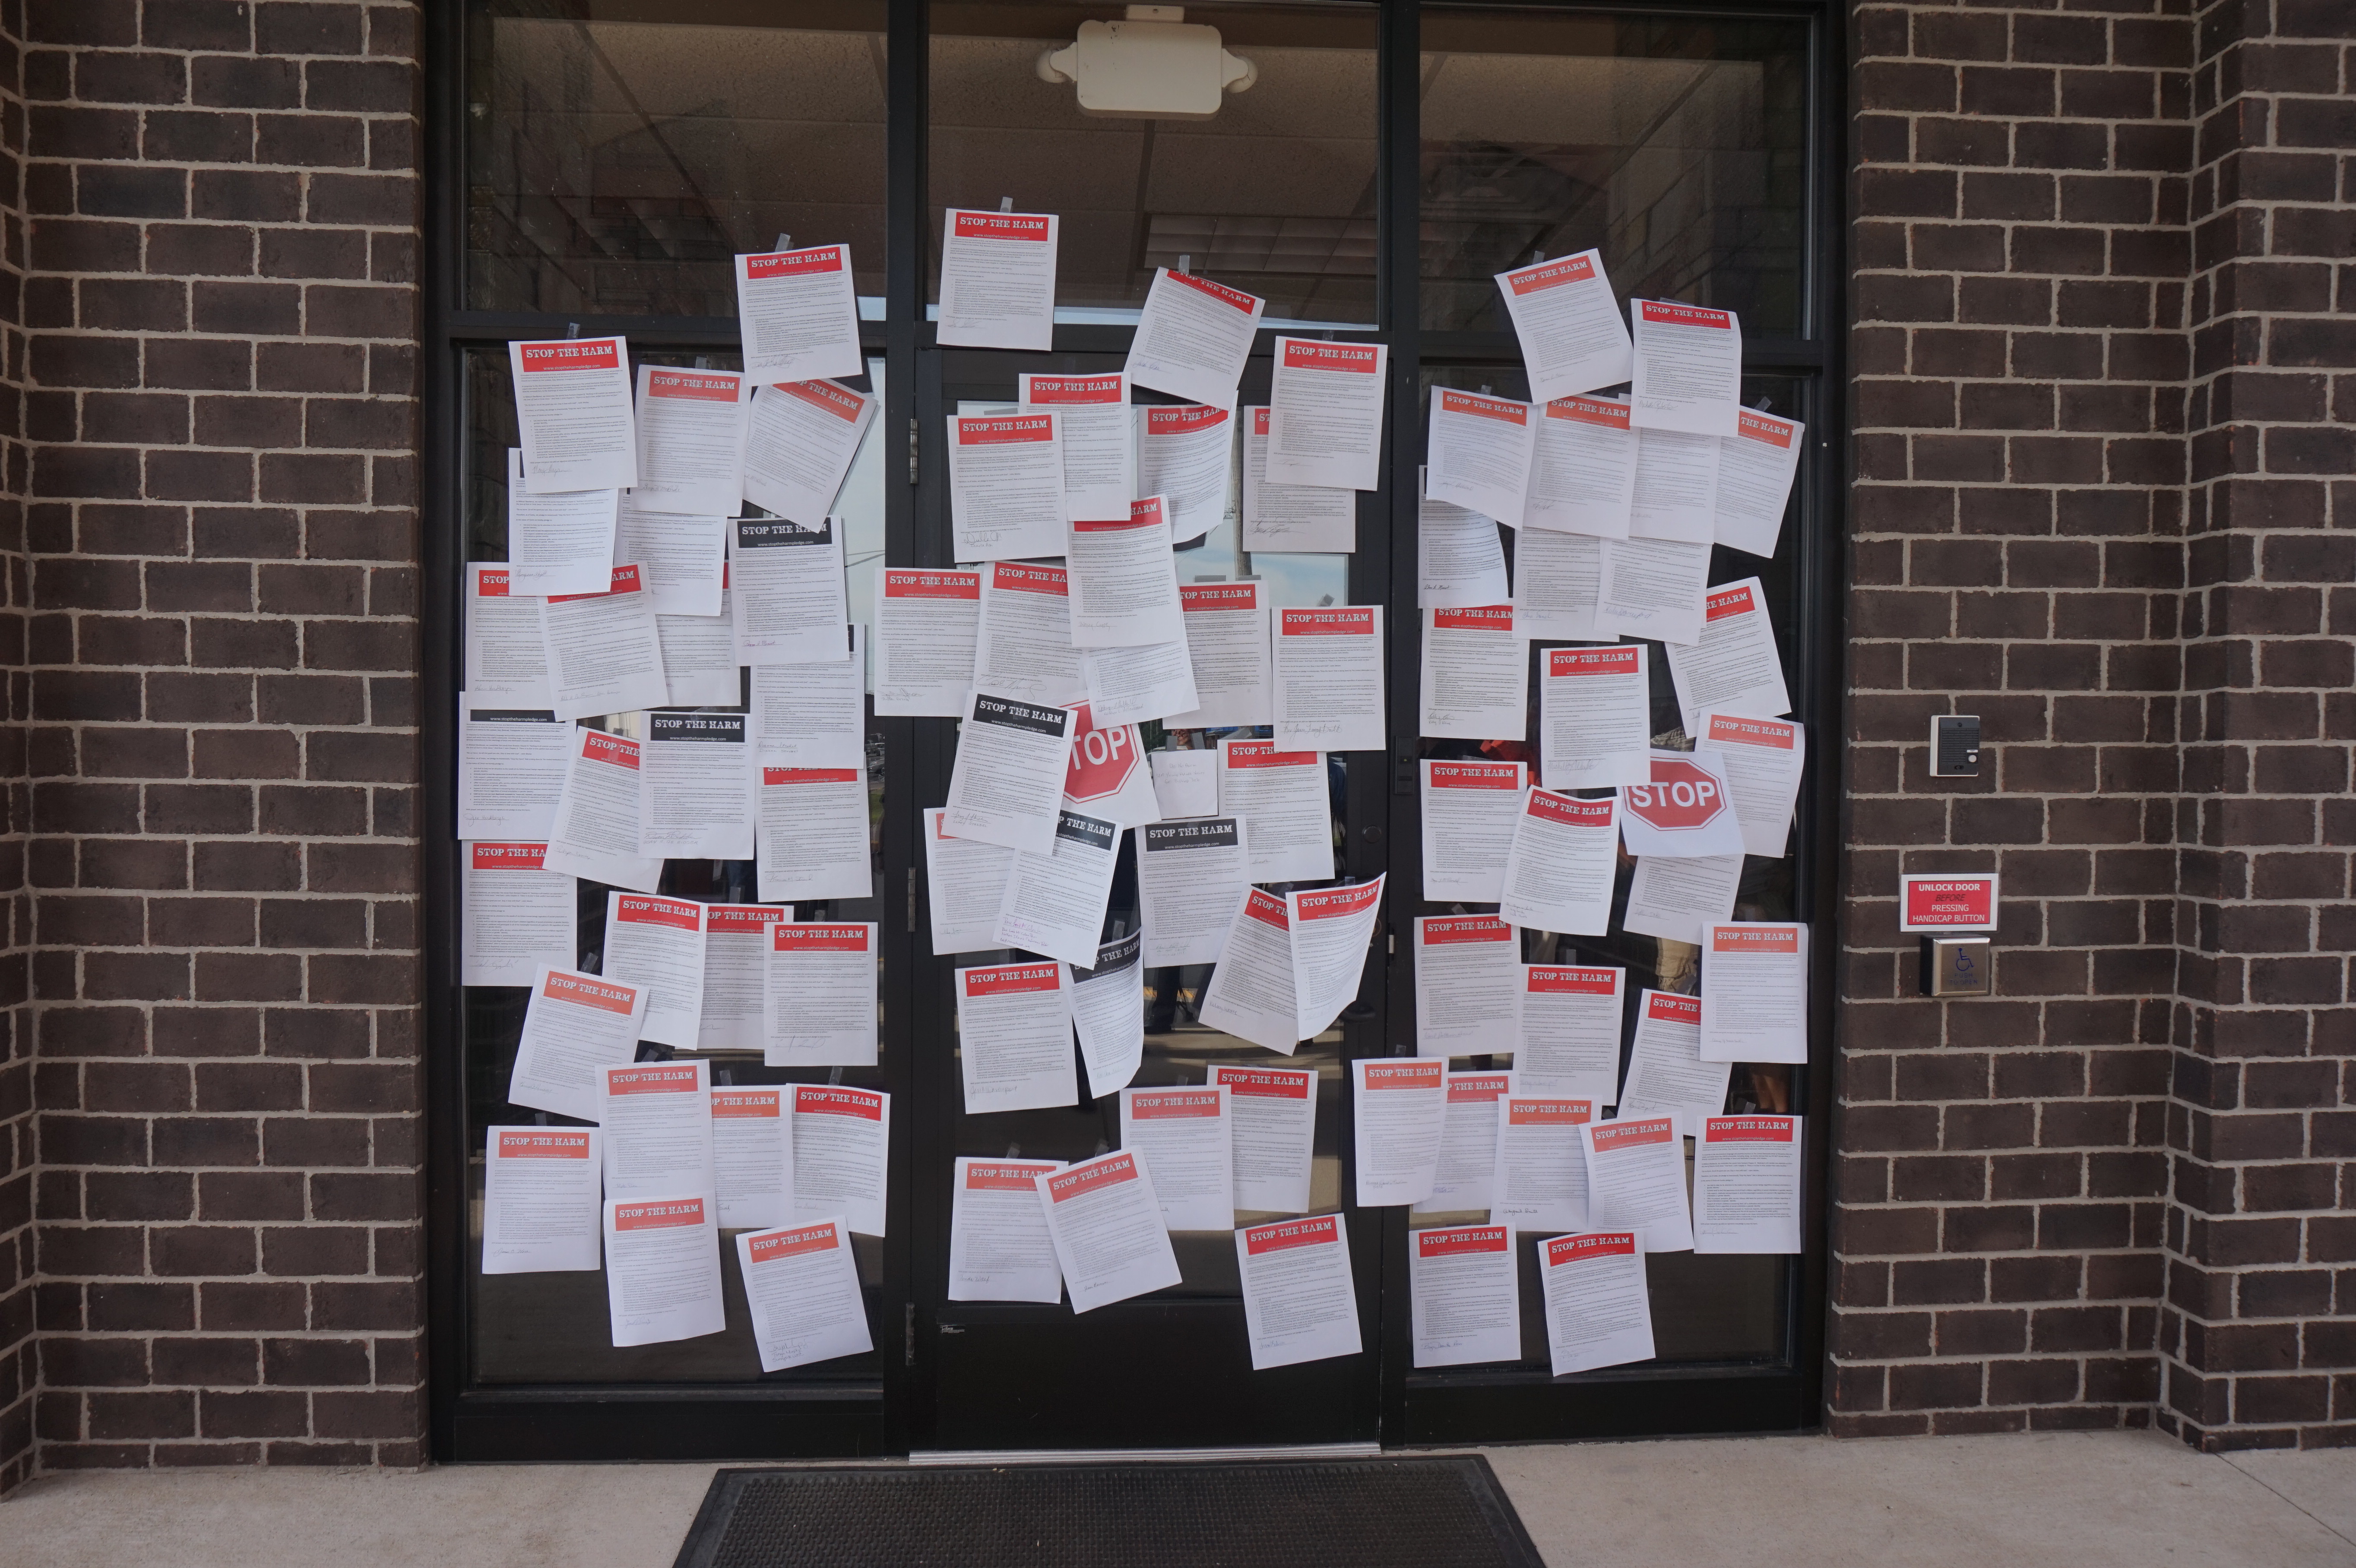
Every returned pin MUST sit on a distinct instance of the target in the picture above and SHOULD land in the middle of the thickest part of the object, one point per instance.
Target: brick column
(2020, 247)
(2259, 1326)
(19, 1365)
(223, 306)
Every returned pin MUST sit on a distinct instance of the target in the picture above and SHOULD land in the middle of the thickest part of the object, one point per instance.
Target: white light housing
(1152, 66)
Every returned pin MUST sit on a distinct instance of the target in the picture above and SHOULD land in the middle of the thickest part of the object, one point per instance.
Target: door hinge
(909, 1352)
(912, 452)
(912, 900)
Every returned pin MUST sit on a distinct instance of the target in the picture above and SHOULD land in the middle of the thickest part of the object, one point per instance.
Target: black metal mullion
(917, 1214)
(1823, 618)
(441, 438)
(1399, 219)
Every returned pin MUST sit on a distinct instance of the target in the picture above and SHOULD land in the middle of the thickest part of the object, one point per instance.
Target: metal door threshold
(1139, 1455)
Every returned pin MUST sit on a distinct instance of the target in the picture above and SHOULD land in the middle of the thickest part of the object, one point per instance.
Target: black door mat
(1445, 1512)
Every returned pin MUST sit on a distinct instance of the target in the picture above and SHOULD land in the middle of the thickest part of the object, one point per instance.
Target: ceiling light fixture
(1152, 66)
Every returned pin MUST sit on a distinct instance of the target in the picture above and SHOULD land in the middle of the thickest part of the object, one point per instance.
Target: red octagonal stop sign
(1102, 760)
(1680, 798)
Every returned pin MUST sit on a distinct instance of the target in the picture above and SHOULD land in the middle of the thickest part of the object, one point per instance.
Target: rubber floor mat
(1446, 1512)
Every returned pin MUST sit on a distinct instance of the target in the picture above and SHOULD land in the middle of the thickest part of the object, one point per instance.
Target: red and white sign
(587, 354)
(574, 988)
(1161, 1104)
(786, 936)
(667, 1215)
(1630, 1135)
(1056, 391)
(1622, 660)
(695, 386)
(1011, 979)
(680, 915)
(1669, 1007)
(1548, 979)
(1438, 1244)
(1234, 299)
(825, 1100)
(1324, 418)
(777, 1244)
(795, 263)
(1466, 1305)
(1306, 353)
(1478, 407)
(1107, 765)
(802, 1287)
(1568, 321)
(1946, 902)
(1575, 269)
(1682, 795)
(1089, 1176)
(1598, 1312)
(1289, 1233)
(998, 280)
(1685, 811)
(1606, 414)
(1749, 1129)
(1405, 1074)
(997, 431)
(1012, 578)
(543, 1143)
(1002, 226)
(624, 580)
(662, 1078)
(826, 397)
(798, 314)
(490, 857)
(1183, 418)
(1194, 337)
(912, 585)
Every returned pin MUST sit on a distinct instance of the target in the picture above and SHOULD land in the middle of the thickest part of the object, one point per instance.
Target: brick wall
(223, 304)
(2106, 373)
(19, 1367)
(2020, 247)
(2259, 1326)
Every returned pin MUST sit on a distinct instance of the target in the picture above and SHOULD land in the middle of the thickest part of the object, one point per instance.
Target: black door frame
(583, 1421)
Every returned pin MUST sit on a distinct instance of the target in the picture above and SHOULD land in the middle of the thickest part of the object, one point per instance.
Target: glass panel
(1178, 1048)
(554, 1328)
(1273, 193)
(1704, 1309)
(620, 152)
(1675, 146)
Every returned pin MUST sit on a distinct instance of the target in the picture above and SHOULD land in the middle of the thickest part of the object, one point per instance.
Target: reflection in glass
(619, 152)
(1676, 147)
(1274, 194)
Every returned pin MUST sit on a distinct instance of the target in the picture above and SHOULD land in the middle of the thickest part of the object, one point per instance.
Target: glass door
(599, 161)
(1681, 147)
(1274, 195)
(1000, 1375)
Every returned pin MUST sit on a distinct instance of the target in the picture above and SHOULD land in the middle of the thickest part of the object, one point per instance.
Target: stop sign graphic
(1102, 760)
(1681, 798)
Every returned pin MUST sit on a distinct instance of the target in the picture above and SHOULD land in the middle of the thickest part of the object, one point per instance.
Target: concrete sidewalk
(2070, 1499)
